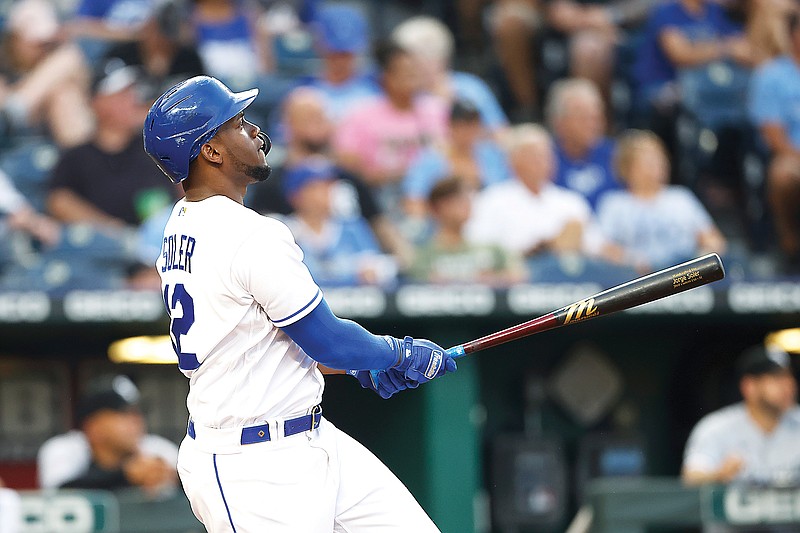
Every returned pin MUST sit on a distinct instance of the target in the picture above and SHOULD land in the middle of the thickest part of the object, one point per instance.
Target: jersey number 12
(180, 325)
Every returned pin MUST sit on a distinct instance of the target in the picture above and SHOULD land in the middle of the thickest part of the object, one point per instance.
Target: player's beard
(257, 173)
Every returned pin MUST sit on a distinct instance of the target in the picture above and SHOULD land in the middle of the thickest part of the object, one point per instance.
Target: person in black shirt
(103, 190)
(109, 182)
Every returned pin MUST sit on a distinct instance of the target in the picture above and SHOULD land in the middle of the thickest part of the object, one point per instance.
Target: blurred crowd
(489, 141)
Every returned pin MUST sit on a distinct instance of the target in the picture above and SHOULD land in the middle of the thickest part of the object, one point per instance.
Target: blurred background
(449, 168)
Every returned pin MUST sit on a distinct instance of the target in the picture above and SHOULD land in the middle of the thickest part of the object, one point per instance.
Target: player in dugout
(753, 441)
(253, 333)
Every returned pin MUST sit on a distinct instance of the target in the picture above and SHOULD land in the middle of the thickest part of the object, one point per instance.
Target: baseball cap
(760, 359)
(316, 169)
(342, 28)
(114, 75)
(34, 20)
(119, 395)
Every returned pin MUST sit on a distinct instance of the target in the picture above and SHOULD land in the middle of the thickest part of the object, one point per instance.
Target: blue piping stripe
(216, 473)
(299, 310)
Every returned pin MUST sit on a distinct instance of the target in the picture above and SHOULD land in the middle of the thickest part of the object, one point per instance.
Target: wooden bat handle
(672, 280)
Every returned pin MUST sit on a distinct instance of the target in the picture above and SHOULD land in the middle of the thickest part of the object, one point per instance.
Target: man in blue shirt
(342, 39)
(338, 249)
(683, 34)
(97, 24)
(584, 153)
(775, 109)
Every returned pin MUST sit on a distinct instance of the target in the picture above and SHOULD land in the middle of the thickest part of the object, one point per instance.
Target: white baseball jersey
(230, 277)
(768, 458)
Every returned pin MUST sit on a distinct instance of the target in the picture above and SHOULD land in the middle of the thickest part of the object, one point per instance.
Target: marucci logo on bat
(580, 310)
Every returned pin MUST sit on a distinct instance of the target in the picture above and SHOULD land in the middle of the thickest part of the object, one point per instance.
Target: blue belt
(293, 426)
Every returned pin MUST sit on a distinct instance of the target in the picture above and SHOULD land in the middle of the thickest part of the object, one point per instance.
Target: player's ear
(210, 153)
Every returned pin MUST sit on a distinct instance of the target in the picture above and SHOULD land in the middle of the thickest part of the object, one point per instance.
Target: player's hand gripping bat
(649, 288)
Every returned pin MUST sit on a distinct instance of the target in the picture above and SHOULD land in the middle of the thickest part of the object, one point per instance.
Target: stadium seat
(529, 481)
(84, 259)
(712, 120)
(715, 94)
(552, 268)
(609, 454)
(28, 163)
(294, 53)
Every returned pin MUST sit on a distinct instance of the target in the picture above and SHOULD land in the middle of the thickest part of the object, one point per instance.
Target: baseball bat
(649, 288)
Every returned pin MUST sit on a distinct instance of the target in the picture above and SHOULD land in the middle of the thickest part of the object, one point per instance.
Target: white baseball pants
(320, 481)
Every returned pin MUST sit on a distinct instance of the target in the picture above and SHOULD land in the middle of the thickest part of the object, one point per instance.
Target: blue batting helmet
(187, 116)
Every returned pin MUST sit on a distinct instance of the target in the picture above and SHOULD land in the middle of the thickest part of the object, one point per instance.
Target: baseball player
(253, 332)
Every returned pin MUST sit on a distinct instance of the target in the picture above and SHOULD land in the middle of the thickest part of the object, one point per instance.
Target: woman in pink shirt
(379, 138)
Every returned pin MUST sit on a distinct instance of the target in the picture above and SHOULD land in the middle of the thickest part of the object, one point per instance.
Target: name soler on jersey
(177, 252)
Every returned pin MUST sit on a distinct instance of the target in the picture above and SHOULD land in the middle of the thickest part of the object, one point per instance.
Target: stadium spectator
(753, 441)
(10, 510)
(342, 39)
(21, 216)
(308, 133)
(160, 49)
(765, 27)
(775, 109)
(447, 257)
(466, 152)
(111, 449)
(338, 250)
(43, 81)
(433, 45)
(655, 223)
(529, 214)
(235, 41)
(513, 25)
(576, 118)
(234, 46)
(380, 138)
(592, 32)
(238, 41)
(96, 25)
(104, 189)
(682, 34)
(109, 182)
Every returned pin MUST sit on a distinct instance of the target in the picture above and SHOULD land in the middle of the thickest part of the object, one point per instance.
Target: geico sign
(744, 506)
(64, 513)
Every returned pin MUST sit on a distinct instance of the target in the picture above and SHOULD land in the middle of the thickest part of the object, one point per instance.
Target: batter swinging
(251, 330)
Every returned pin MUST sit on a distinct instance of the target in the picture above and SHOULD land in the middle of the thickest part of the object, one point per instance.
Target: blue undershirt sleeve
(342, 344)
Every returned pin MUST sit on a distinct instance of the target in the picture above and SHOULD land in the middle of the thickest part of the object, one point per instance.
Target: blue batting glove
(384, 383)
(423, 360)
